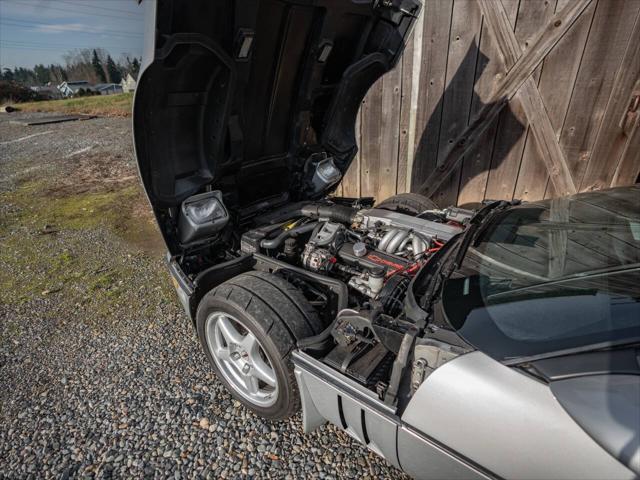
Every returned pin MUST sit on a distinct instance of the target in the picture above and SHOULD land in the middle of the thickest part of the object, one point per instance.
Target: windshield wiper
(475, 227)
(444, 267)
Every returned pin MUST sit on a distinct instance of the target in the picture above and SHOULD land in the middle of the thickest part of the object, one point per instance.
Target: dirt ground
(100, 372)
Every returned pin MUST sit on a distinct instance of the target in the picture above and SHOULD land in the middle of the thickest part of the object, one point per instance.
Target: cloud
(66, 28)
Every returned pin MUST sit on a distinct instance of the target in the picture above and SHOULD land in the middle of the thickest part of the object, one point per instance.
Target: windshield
(551, 275)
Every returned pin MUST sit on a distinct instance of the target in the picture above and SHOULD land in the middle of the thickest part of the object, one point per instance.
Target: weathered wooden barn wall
(500, 93)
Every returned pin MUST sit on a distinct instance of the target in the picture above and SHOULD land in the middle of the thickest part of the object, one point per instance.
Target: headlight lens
(201, 217)
(203, 211)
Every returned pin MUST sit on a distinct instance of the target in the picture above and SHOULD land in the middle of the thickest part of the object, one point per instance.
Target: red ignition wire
(414, 267)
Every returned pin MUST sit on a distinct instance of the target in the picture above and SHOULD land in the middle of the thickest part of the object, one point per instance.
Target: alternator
(317, 259)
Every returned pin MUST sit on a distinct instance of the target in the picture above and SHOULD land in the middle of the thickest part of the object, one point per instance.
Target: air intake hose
(336, 213)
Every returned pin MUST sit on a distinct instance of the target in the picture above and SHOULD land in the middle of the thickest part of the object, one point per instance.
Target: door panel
(424, 460)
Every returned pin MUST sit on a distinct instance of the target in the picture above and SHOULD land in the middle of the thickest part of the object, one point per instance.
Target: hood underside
(240, 95)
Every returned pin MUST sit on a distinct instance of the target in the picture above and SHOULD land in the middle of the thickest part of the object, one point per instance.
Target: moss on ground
(44, 250)
(123, 210)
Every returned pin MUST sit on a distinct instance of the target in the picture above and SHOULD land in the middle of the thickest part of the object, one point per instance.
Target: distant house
(128, 83)
(107, 88)
(69, 89)
(48, 91)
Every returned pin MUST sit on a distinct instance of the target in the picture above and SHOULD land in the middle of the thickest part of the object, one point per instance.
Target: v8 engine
(373, 250)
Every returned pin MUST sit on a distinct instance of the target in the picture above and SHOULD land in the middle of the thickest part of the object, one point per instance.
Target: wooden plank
(505, 90)
(406, 105)
(351, 180)
(437, 23)
(371, 132)
(476, 164)
(529, 103)
(390, 134)
(559, 72)
(628, 170)
(612, 137)
(415, 92)
(511, 135)
(464, 39)
(609, 35)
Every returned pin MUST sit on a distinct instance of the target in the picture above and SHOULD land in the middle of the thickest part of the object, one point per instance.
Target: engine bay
(354, 263)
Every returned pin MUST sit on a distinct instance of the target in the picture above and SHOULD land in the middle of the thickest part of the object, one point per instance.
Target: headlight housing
(202, 216)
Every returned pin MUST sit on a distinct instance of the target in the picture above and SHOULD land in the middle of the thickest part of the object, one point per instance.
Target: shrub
(12, 92)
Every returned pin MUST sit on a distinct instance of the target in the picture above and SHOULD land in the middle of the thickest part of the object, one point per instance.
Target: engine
(374, 251)
(371, 254)
(377, 247)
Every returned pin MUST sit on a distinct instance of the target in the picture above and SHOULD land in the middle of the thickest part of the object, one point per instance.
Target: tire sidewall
(282, 366)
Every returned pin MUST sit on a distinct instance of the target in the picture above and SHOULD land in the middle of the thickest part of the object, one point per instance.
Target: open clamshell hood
(238, 95)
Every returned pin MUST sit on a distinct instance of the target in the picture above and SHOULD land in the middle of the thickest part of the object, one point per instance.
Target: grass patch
(105, 105)
(123, 210)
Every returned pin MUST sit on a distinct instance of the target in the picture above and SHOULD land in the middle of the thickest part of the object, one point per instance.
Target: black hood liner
(204, 117)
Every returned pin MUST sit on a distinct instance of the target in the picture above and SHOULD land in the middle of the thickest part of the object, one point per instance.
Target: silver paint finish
(425, 460)
(608, 408)
(506, 422)
(324, 399)
(241, 359)
(311, 417)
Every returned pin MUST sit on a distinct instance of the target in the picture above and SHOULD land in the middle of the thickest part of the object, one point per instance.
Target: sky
(41, 31)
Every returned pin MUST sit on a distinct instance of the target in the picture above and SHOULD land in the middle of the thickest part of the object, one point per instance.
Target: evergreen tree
(42, 74)
(97, 67)
(8, 75)
(112, 71)
(135, 68)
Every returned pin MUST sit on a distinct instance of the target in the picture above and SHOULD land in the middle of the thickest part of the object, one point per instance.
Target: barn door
(502, 99)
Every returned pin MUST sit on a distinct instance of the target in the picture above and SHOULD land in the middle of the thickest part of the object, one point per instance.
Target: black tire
(277, 314)
(409, 203)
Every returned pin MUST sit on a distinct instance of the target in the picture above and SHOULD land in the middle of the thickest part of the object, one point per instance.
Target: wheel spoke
(260, 368)
(229, 332)
(251, 384)
(263, 371)
(249, 343)
(223, 353)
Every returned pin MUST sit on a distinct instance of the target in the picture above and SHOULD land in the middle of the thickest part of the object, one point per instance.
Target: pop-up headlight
(325, 175)
(202, 216)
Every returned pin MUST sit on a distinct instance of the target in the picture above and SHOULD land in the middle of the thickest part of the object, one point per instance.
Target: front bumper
(184, 287)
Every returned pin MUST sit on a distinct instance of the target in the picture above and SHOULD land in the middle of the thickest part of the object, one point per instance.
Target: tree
(135, 68)
(8, 75)
(112, 71)
(42, 74)
(97, 67)
(57, 74)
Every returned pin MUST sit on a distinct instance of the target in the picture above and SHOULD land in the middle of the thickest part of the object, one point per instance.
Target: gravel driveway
(100, 373)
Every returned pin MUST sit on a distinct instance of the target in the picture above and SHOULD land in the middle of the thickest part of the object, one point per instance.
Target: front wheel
(248, 326)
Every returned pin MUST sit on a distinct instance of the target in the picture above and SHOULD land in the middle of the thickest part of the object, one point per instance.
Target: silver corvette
(502, 342)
